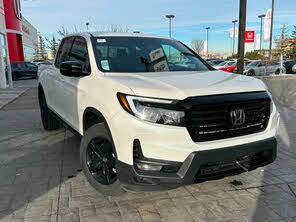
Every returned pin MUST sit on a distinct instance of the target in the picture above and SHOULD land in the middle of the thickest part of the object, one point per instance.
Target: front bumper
(201, 166)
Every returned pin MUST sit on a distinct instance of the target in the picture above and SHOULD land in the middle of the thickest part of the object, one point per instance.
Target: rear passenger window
(79, 53)
(64, 51)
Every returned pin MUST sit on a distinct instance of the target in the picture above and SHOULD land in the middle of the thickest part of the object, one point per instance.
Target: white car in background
(261, 68)
(226, 63)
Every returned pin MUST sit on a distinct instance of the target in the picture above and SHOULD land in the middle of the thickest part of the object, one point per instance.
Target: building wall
(30, 40)
(13, 30)
(3, 47)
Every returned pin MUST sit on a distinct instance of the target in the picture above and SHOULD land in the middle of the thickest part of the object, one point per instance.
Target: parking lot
(41, 178)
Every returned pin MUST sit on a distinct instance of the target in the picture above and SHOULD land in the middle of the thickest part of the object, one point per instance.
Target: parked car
(289, 66)
(233, 68)
(23, 69)
(215, 62)
(223, 64)
(260, 68)
(152, 114)
(43, 63)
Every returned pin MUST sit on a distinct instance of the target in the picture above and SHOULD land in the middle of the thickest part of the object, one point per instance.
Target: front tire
(49, 121)
(98, 160)
(251, 73)
(14, 77)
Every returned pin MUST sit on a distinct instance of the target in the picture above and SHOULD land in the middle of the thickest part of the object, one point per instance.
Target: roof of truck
(116, 34)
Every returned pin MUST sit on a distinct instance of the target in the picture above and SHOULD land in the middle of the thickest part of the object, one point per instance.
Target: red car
(231, 68)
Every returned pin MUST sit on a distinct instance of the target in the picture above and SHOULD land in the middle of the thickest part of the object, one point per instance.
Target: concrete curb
(13, 99)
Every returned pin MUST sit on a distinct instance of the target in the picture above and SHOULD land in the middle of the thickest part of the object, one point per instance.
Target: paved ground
(41, 179)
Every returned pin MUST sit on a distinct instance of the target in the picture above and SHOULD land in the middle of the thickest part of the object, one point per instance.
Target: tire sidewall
(43, 111)
(97, 130)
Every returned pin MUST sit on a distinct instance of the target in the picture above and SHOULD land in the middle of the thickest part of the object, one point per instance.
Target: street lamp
(207, 28)
(271, 30)
(233, 46)
(261, 17)
(170, 17)
(87, 24)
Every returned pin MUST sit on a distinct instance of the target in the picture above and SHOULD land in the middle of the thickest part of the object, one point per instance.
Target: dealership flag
(267, 25)
(231, 32)
(205, 46)
(258, 39)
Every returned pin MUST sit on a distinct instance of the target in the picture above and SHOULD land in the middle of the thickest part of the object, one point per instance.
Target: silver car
(261, 68)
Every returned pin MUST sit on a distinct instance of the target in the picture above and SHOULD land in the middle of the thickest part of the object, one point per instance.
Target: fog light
(148, 167)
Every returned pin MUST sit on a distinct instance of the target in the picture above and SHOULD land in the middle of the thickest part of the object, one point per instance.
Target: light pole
(87, 24)
(261, 17)
(271, 29)
(207, 28)
(170, 17)
(241, 35)
(234, 21)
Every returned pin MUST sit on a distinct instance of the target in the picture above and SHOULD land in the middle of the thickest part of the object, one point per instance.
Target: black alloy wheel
(100, 161)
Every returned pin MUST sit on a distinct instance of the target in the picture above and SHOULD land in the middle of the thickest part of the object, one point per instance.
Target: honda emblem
(237, 117)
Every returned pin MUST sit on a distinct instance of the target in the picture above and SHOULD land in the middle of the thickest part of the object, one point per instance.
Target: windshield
(139, 54)
(222, 64)
(255, 63)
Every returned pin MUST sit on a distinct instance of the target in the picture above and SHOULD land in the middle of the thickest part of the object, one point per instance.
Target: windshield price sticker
(161, 66)
(105, 65)
(156, 54)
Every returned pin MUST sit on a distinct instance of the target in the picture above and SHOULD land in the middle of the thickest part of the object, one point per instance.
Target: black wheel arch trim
(101, 116)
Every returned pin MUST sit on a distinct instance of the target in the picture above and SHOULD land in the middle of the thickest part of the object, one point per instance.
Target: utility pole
(170, 17)
(271, 29)
(241, 35)
(207, 28)
(234, 21)
(261, 17)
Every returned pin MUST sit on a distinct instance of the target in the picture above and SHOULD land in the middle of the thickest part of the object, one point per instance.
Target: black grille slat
(207, 122)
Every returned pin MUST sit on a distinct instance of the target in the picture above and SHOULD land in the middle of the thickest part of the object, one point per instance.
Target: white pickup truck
(152, 114)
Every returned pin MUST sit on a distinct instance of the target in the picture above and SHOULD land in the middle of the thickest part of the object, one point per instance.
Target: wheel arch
(93, 116)
(40, 90)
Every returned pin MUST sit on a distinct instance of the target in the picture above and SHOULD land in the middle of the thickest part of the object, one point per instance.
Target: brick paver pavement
(41, 180)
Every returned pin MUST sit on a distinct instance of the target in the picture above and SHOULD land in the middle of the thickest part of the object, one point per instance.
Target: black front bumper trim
(201, 166)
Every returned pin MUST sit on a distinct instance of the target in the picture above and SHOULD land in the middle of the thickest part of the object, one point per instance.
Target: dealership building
(18, 38)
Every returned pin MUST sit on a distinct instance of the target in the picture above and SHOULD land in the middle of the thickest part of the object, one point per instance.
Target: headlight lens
(160, 111)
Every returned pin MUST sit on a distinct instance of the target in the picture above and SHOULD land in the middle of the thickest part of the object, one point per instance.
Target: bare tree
(197, 45)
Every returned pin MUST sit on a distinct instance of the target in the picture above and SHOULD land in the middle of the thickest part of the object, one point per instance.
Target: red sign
(249, 36)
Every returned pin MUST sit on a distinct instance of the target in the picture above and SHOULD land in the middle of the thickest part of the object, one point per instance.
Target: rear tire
(14, 77)
(251, 73)
(49, 121)
(102, 166)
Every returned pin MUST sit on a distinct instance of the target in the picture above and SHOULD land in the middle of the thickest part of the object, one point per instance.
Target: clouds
(192, 16)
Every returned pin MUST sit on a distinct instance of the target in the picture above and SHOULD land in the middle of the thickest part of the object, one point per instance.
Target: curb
(11, 101)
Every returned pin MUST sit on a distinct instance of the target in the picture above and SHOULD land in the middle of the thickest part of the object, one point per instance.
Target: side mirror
(71, 68)
(294, 68)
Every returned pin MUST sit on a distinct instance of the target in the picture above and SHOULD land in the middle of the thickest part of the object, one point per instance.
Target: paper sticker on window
(156, 54)
(101, 40)
(105, 65)
(161, 66)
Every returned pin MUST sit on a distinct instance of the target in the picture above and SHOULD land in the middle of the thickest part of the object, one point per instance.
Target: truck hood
(180, 85)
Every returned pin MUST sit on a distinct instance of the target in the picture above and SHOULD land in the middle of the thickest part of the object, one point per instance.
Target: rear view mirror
(71, 68)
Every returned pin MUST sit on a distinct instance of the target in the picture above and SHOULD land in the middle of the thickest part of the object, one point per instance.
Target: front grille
(211, 120)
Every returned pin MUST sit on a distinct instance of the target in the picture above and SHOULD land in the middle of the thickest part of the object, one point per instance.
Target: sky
(191, 17)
